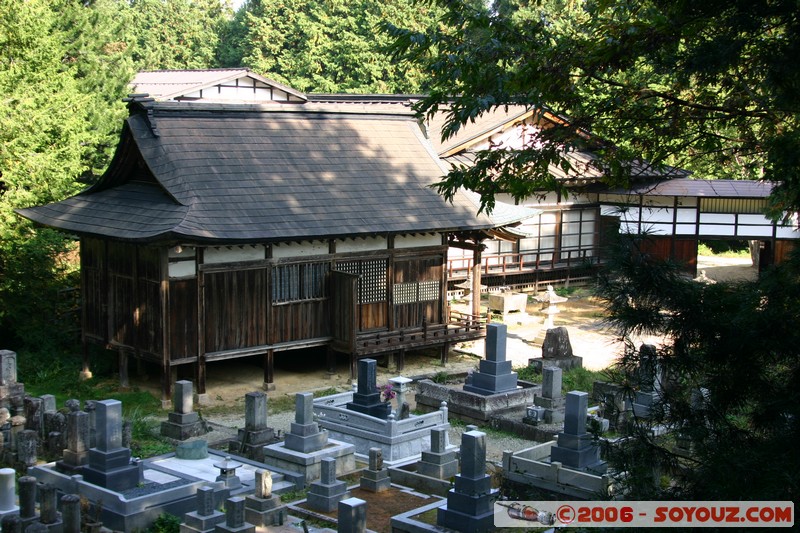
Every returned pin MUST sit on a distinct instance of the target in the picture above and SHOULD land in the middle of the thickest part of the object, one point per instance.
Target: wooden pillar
(124, 382)
(352, 366)
(445, 352)
(401, 359)
(476, 281)
(168, 378)
(85, 373)
(269, 370)
(331, 361)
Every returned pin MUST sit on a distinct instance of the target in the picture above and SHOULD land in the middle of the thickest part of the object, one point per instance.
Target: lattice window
(413, 292)
(371, 278)
(302, 281)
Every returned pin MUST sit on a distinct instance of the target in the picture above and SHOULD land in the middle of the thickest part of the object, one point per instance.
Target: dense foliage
(711, 86)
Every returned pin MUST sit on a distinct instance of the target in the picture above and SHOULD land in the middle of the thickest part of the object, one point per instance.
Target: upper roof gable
(258, 173)
(213, 85)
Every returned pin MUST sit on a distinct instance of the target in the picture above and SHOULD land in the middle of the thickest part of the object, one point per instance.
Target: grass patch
(293, 496)
(574, 379)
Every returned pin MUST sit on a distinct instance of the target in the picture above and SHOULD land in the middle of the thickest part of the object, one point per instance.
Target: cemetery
(342, 452)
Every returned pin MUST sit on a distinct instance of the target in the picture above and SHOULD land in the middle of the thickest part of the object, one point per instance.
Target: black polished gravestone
(367, 398)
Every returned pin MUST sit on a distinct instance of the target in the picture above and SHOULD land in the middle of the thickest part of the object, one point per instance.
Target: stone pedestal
(494, 374)
(367, 398)
(352, 516)
(251, 440)
(551, 398)
(439, 462)
(205, 518)
(324, 495)
(234, 518)
(264, 508)
(470, 504)
(183, 423)
(575, 447)
(376, 477)
(109, 463)
(305, 446)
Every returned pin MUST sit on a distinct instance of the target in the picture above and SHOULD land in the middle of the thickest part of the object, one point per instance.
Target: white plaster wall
(301, 249)
(361, 245)
(223, 254)
(182, 269)
(417, 241)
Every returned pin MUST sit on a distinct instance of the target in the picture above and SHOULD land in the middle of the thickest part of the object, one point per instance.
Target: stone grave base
(408, 476)
(532, 467)
(126, 511)
(564, 363)
(476, 408)
(306, 466)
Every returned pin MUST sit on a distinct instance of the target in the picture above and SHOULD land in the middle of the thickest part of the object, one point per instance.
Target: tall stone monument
(494, 374)
(576, 448)
(367, 398)
(251, 440)
(470, 504)
(324, 495)
(110, 464)
(183, 422)
(551, 398)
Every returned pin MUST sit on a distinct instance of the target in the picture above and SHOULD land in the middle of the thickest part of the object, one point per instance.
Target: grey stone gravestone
(110, 464)
(367, 399)
(27, 443)
(234, 518)
(264, 508)
(12, 523)
(8, 500)
(575, 448)
(206, 517)
(494, 373)
(304, 434)
(551, 398)
(470, 503)
(27, 500)
(34, 415)
(48, 509)
(439, 462)
(8, 367)
(352, 516)
(76, 454)
(325, 494)
(649, 383)
(375, 478)
(183, 423)
(256, 434)
(71, 513)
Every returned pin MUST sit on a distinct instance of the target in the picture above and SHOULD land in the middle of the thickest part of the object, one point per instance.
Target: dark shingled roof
(245, 173)
(701, 188)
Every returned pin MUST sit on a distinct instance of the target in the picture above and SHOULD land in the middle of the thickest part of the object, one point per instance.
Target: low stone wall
(475, 408)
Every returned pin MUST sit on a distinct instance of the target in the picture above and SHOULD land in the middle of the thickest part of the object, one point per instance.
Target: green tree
(45, 144)
(331, 46)
(709, 86)
(177, 34)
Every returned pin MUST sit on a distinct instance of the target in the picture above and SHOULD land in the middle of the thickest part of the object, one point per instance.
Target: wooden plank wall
(93, 266)
(235, 307)
(183, 318)
(415, 270)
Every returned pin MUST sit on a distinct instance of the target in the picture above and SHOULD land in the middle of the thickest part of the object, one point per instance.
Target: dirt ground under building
(304, 370)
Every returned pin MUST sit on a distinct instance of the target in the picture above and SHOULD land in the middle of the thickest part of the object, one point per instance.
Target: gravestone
(110, 464)
(71, 513)
(649, 383)
(576, 448)
(263, 508)
(11, 523)
(12, 392)
(556, 351)
(367, 398)
(27, 500)
(376, 477)
(34, 415)
(8, 500)
(27, 442)
(494, 373)
(304, 434)
(551, 398)
(76, 454)
(48, 508)
(470, 503)
(352, 516)
(251, 440)
(234, 518)
(206, 517)
(183, 423)
(439, 462)
(325, 494)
